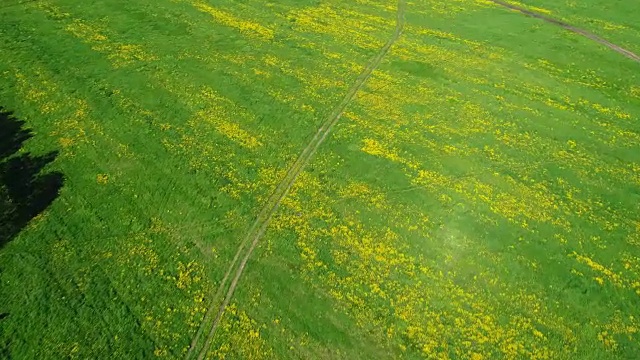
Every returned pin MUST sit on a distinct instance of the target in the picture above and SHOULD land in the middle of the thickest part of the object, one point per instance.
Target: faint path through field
(572, 28)
(261, 223)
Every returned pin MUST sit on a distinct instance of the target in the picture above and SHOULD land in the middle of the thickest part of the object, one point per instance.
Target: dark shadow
(24, 191)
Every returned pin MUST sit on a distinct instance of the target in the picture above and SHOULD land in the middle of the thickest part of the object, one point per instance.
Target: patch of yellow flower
(102, 179)
(73, 125)
(118, 53)
(239, 337)
(612, 276)
(361, 190)
(247, 28)
(343, 24)
(230, 129)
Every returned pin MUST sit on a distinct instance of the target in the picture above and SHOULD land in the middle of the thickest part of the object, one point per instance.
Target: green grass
(615, 22)
(478, 198)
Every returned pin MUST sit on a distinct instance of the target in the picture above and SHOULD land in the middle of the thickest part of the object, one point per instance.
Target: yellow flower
(102, 179)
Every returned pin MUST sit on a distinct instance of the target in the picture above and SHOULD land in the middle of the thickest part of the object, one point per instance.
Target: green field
(468, 189)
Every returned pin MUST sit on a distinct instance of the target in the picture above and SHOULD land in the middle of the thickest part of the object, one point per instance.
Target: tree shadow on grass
(24, 191)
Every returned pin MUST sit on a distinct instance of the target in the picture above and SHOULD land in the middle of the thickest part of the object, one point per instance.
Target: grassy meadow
(479, 198)
(615, 21)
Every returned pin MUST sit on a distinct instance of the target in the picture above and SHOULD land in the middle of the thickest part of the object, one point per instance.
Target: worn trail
(631, 55)
(258, 228)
